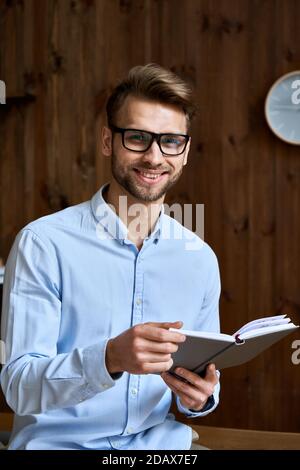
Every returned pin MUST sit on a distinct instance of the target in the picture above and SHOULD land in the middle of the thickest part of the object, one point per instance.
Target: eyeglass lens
(140, 141)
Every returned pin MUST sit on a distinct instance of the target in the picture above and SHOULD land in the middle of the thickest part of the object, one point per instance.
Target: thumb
(166, 325)
(211, 373)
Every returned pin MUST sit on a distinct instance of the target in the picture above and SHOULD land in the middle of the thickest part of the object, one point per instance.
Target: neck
(139, 216)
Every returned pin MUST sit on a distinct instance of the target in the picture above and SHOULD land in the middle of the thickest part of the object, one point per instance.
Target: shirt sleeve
(35, 378)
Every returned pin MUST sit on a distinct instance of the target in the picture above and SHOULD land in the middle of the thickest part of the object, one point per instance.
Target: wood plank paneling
(59, 60)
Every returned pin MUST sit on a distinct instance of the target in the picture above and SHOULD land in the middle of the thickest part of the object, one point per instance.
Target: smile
(150, 176)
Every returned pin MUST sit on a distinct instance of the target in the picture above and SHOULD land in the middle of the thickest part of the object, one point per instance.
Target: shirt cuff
(94, 368)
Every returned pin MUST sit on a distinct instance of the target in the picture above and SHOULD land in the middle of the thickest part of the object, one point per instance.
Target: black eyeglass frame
(154, 136)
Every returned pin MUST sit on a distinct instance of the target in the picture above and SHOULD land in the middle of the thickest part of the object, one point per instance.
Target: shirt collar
(109, 223)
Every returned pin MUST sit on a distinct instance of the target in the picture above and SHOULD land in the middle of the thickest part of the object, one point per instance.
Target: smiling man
(91, 292)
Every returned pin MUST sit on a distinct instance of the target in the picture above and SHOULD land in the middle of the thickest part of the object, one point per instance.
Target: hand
(143, 349)
(194, 394)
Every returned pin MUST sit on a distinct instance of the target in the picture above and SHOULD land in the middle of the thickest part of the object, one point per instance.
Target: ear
(106, 141)
(186, 152)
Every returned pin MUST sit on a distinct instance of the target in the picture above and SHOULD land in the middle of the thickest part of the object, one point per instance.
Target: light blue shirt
(72, 281)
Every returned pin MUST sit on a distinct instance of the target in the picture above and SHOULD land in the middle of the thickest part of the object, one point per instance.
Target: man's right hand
(143, 349)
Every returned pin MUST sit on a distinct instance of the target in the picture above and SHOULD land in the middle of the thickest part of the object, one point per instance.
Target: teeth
(149, 175)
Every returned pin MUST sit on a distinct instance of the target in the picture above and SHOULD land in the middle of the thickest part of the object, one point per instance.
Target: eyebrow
(137, 128)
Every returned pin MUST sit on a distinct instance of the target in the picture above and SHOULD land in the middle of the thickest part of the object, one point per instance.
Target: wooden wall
(59, 60)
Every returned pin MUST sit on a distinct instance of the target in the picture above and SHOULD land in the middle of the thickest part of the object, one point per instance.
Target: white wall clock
(282, 108)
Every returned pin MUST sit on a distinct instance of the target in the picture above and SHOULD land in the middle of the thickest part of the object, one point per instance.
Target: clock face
(282, 108)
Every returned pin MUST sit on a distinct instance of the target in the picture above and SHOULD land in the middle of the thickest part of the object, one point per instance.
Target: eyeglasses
(138, 140)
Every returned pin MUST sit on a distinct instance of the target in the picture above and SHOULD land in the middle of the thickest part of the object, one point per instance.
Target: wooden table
(6, 421)
(237, 439)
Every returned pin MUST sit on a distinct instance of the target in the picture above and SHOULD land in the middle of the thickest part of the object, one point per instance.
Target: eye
(137, 136)
(172, 140)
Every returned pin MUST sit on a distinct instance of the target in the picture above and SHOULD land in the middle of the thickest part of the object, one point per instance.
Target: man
(92, 291)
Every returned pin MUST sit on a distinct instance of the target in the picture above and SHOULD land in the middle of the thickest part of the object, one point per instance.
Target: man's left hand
(195, 391)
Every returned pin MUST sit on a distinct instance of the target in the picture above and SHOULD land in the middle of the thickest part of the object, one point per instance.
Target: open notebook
(202, 348)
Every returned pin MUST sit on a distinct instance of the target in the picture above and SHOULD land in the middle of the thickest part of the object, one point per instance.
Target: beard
(127, 178)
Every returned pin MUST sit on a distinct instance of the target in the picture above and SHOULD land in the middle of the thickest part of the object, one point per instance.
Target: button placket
(138, 294)
(133, 384)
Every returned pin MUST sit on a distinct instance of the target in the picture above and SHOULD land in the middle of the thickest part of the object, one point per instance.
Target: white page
(268, 329)
(256, 323)
(265, 324)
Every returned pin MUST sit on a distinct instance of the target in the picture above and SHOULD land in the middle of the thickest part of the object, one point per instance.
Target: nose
(153, 154)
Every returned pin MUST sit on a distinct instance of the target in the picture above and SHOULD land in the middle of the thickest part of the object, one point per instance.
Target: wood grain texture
(216, 438)
(59, 60)
(6, 421)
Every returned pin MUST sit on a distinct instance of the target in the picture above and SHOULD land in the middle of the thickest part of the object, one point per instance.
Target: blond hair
(155, 83)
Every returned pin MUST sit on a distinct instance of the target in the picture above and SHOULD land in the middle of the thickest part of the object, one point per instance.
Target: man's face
(132, 170)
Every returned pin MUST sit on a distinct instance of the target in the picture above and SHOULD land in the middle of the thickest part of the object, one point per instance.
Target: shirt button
(138, 301)
(129, 430)
(134, 392)
(104, 385)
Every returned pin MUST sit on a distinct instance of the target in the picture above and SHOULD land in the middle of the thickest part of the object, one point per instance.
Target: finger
(157, 368)
(191, 377)
(153, 357)
(183, 387)
(202, 385)
(154, 346)
(211, 374)
(162, 335)
(210, 377)
(188, 400)
(166, 325)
